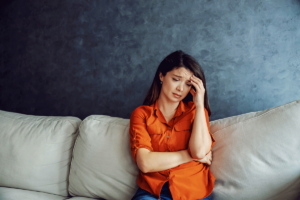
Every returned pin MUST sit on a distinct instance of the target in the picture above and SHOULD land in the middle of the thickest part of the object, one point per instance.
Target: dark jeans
(165, 194)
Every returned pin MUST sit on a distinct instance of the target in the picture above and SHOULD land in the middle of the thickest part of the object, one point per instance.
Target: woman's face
(175, 82)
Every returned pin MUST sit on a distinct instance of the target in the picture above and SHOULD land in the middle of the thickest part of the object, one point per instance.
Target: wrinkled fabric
(149, 129)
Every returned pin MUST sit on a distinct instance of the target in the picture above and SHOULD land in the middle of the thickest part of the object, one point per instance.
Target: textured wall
(79, 58)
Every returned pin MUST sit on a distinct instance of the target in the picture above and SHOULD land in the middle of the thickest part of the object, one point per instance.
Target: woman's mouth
(176, 95)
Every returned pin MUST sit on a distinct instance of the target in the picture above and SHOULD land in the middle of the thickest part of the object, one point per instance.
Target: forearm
(200, 140)
(159, 161)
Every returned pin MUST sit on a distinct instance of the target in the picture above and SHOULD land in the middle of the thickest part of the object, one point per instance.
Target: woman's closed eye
(178, 80)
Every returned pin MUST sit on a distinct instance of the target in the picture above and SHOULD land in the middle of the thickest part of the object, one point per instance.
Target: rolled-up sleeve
(139, 136)
(208, 127)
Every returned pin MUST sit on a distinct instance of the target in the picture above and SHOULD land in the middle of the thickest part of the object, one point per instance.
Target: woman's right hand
(207, 159)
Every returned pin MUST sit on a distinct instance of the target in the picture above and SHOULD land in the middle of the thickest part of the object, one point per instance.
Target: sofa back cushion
(35, 151)
(257, 154)
(102, 165)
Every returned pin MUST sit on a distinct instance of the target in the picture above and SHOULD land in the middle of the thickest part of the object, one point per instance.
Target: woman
(172, 152)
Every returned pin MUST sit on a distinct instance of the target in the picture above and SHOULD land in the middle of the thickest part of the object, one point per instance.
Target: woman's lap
(165, 194)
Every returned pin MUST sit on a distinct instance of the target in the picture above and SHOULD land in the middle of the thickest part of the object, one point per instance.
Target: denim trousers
(165, 194)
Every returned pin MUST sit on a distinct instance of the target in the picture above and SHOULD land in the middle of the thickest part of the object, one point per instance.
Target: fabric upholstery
(35, 151)
(257, 154)
(102, 166)
(81, 198)
(19, 194)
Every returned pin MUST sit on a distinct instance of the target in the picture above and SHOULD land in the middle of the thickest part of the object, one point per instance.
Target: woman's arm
(158, 161)
(141, 149)
(142, 152)
(200, 141)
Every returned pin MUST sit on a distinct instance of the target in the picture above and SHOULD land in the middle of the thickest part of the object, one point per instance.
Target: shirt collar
(182, 107)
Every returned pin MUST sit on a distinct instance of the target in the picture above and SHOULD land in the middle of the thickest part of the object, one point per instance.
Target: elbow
(143, 161)
(144, 169)
(203, 152)
(143, 166)
(199, 155)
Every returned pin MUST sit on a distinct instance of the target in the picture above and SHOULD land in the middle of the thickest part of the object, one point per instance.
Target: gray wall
(77, 58)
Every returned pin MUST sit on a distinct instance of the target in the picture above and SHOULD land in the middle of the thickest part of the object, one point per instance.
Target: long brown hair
(176, 60)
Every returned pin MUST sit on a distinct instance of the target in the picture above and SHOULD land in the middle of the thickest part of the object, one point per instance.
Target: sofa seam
(71, 162)
(71, 123)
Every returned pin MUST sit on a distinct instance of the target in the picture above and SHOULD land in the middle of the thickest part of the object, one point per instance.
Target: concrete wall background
(77, 58)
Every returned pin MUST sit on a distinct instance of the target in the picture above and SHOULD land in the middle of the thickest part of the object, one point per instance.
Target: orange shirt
(149, 129)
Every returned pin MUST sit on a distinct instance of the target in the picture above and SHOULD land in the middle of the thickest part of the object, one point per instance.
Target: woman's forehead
(181, 73)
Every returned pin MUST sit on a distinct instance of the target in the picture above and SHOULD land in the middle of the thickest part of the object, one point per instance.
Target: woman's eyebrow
(177, 76)
(181, 77)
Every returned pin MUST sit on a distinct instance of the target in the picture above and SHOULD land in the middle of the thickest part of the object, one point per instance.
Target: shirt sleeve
(208, 127)
(139, 136)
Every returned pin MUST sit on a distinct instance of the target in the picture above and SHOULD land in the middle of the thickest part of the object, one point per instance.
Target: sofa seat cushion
(102, 166)
(35, 151)
(257, 154)
(83, 198)
(19, 194)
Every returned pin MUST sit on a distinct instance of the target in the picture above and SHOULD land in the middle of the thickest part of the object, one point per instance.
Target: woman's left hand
(198, 96)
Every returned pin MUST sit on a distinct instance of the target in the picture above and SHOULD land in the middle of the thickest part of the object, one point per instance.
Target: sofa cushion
(19, 194)
(257, 154)
(35, 151)
(81, 198)
(102, 165)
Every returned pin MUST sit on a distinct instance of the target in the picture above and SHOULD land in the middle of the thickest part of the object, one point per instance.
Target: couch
(256, 156)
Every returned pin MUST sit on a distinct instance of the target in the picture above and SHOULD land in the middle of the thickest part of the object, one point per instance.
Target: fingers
(197, 87)
(192, 91)
(197, 80)
(197, 83)
(210, 160)
(210, 157)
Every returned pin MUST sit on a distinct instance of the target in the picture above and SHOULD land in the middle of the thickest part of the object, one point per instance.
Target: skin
(172, 83)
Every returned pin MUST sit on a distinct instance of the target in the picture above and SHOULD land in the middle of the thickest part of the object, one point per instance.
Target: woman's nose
(180, 87)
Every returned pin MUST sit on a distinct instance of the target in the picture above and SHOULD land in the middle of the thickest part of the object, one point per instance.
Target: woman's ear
(161, 77)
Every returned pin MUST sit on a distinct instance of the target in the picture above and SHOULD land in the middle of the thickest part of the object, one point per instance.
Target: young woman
(169, 134)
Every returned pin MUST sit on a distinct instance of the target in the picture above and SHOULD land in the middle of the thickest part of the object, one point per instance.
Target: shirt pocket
(182, 135)
(156, 133)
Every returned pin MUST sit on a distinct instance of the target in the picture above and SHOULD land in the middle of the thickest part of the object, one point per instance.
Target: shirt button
(167, 136)
(170, 128)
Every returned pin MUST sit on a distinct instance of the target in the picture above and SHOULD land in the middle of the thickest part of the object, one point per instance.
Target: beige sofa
(256, 156)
